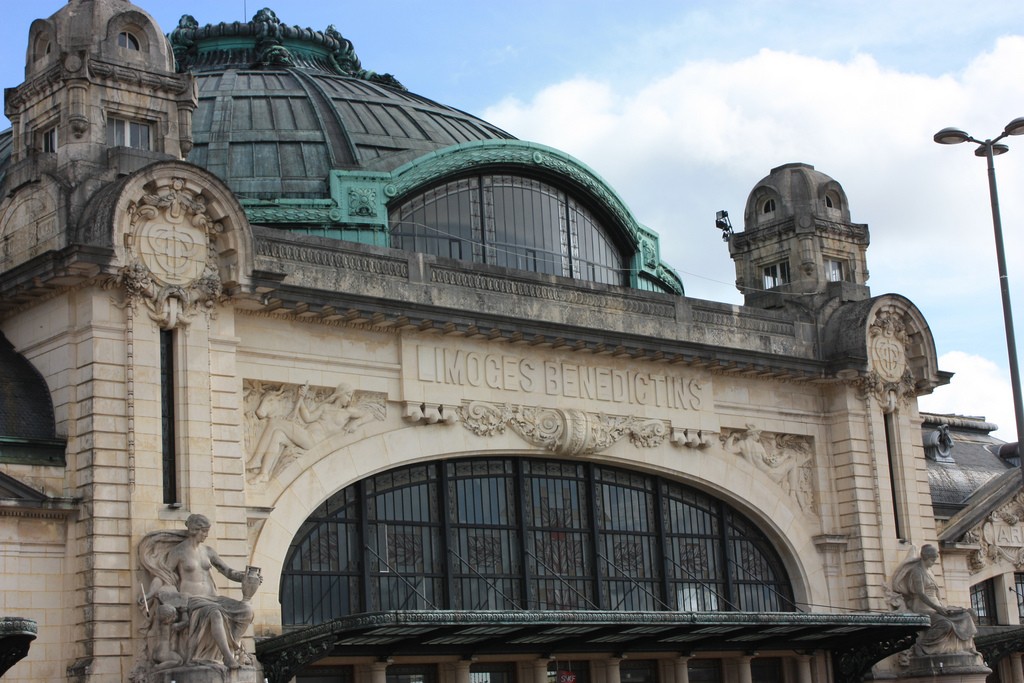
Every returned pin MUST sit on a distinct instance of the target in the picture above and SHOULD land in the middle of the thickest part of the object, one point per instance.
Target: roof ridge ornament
(200, 47)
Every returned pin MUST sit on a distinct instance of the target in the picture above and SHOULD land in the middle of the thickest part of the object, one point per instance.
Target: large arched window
(510, 221)
(515, 534)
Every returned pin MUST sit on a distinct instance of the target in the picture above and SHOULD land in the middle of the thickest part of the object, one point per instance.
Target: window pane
(512, 534)
(509, 221)
(983, 602)
(444, 221)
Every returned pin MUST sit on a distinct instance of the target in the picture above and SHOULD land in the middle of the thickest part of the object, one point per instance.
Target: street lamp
(990, 149)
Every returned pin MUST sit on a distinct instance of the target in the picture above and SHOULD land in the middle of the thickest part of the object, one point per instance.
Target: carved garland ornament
(562, 431)
(172, 255)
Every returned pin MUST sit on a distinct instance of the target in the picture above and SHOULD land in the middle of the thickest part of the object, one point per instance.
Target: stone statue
(190, 625)
(952, 628)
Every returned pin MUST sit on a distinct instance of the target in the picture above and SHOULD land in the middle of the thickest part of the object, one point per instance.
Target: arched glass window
(509, 221)
(128, 40)
(523, 534)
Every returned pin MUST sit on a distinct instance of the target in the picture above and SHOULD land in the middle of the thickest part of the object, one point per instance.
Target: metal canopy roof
(856, 640)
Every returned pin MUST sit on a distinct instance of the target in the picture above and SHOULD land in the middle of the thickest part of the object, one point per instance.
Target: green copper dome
(281, 106)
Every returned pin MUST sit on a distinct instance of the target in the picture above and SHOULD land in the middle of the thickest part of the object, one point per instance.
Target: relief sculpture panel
(787, 458)
(283, 421)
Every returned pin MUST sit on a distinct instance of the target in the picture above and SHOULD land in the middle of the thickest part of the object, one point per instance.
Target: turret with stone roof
(798, 243)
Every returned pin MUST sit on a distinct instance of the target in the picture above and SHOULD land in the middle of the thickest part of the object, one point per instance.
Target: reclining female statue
(952, 629)
(178, 564)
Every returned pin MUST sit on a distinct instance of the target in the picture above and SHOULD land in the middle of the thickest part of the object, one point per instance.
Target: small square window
(125, 133)
(776, 275)
(835, 271)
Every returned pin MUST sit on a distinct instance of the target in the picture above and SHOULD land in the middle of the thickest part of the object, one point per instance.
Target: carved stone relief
(560, 430)
(1001, 537)
(172, 255)
(890, 380)
(283, 421)
(787, 458)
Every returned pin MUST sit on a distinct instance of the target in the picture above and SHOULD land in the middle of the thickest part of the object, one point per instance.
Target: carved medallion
(171, 251)
(890, 379)
(888, 338)
(174, 254)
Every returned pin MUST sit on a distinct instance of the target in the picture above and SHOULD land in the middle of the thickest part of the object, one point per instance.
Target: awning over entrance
(856, 641)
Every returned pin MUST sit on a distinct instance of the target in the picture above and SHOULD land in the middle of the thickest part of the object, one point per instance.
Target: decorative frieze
(284, 421)
(1000, 537)
(788, 459)
(562, 431)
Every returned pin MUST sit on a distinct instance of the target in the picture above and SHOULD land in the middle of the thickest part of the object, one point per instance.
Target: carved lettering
(506, 372)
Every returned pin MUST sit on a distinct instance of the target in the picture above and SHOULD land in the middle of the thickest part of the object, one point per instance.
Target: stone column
(379, 672)
(540, 671)
(462, 671)
(1016, 672)
(743, 674)
(682, 670)
(803, 668)
(613, 675)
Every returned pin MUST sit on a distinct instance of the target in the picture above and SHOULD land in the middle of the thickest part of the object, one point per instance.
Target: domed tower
(798, 242)
(100, 99)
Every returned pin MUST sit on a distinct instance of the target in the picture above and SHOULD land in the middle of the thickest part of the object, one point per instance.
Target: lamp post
(990, 149)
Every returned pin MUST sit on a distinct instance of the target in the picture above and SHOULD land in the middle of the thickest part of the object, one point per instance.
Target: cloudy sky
(683, 105)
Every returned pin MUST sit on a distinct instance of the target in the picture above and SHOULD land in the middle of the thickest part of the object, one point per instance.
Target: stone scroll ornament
(560, 430)
(172, 256)
(283, 421)
(189, 627)
(787, 458)
(890, 380)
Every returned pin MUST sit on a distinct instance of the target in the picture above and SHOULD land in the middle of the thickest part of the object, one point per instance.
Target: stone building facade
(438, 386)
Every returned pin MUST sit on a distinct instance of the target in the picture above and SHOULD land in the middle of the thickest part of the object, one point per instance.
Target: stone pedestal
(961, 667)
(207, 674)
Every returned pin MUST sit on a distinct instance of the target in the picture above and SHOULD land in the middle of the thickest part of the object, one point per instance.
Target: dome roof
(797, 191)
(281, 106)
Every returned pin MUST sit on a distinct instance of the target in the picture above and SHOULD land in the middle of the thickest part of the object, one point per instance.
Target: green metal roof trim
(357, 210)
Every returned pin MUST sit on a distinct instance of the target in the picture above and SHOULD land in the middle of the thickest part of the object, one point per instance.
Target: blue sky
(684, 105)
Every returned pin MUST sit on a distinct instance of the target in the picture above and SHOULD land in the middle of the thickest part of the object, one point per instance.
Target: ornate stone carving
(890, 380)
(787, 458)
(948, 643)
(284, 421)
(173, 259)
(692, 438)
(270, 51)
(189, 626)
(429, 413)
(1001, 537)
(362, 202)
(564, 431)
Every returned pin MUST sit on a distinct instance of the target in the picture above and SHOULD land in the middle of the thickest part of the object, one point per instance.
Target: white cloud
(979, 388)
(677, 147)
